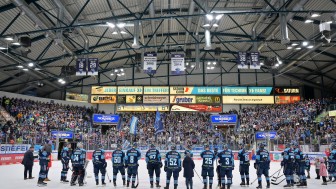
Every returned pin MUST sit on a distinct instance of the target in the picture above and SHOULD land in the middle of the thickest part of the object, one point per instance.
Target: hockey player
(153, 160)
(118, 161)
(288, 163)
(262, 164)
(226, 162)
(332, 161)
(43, 160)
(99, 164)
(217, 168)
(208, 166)
(131, 159)
(300, 161)
(172, 166)
(78, 159)
(65, 158)
(307, 165)
(244, 165)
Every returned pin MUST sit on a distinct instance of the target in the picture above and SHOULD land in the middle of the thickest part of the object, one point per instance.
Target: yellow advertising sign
(103, 90)
(76, 97)
(130, 90)
(142, 108)
(156, 90)
(248, 99)
(332, 113)
(103, 99)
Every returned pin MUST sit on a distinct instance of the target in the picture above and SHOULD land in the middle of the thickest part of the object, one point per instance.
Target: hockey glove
(160, 164)
(165, 169)
(179, 169)
(255, 166)
(126, 166)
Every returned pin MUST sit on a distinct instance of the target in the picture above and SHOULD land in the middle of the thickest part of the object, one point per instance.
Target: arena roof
(59, 28)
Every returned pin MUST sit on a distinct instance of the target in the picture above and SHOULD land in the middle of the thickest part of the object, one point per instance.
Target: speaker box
(138, 57)
(25, 41)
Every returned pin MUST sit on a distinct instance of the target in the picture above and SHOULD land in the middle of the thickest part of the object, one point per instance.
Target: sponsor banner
(103, 99)
(208, 99)
(129, 99)
(224, 119)
(254, 60)
(248, 100)
(195, 90)
(155, 99)
(62, 134)
(265, 135)
(76, 97)
(195, 108)
(332, 113)
(149, 64)
(234, 90)
(80, 66)
(14, 149)
(130, 90)
(242, 60)
(103, 90)
(177, 64)
(287, 90)
(105, 118)
(287, 99)
(93, 66)
(142, 108)
(156, 90)
(182, 99)
(260, 90)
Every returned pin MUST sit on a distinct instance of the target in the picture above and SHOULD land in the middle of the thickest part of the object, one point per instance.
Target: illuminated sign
(105, 118)
(75, 97)
(248, 100)
(103, 90)
(234, 90)
(62, 134)
(287, 99)
(195, 90)
(103, 99)
(287, 90)
(260, 90)
(155, 99)
(142, 108)
(195, 108)
(208, 99)
(265, 135)
(156, 90)
(130, 90)
(182, 99)
(224, 119)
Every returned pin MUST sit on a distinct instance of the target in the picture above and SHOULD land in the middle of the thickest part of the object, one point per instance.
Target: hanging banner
(93, 66)
(287, 90)
(129, 99)
(62, 134)
(177, 64)
(248, 99)
(80, 66)
(254, 60)
(149, 63)
(103, 90)
(142, 108)
(234, 90)
(103, 99)
(208, 99)
(224, 119)
(242, 60)
(75, 97)
(105, 118)
(287, 99)
(130, 90)
(195, 90)
(195, 108)
(182, 99)
(156, 90)
(260, 90)
(147, 99)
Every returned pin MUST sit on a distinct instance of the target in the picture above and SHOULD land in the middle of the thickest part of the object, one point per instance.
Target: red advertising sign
(195, 108)
(287, 99)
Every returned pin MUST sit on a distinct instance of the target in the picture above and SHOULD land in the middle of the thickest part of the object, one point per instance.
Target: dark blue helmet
(135, 145)
(152, 146)
(206, 146)
(173, 147)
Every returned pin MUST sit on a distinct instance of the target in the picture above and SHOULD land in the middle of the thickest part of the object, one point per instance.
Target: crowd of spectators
(35, 120)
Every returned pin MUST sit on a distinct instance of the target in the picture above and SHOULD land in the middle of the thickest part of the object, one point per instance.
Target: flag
(158, 125)
(134, 125)
(126, 144)
(119, 124)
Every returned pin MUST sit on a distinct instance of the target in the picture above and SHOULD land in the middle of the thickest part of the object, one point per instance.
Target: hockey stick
(198, 176)
(274, 183)
(137, 175)
(278, 171)
(274, 179)
(108, 176)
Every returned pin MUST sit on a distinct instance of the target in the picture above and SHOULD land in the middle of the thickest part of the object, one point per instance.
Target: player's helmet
(173, 147)
(288, 145)
(119, 146)
(206, 146)
(216, 150)
(152, 146)
(295, 144)
(262, 145)
(241, 145)
(225, 146)
(135, 145)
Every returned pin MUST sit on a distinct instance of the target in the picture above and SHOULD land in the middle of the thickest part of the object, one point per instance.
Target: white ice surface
(11, 176)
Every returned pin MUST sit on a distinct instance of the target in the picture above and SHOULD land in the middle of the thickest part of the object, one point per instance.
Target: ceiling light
(63, 82)
(295, 44)
(310, 46)
(298, 48)
(115, 33)
(305, 43)
(329, 22)
(276, 65)
(116, 70)
(314, 15)
(121, 25)
(209, 63)
(9, 38)
(214, 63)
(218, 17)
(25, 69)
(118, 75)
(121, 69)
(109, 24)
(206, 25)
(31, 64)
(289, 47)
(3, 48)
(60, 80)
(261, 63)
(215, 25)
(16, 43)
(280, 62)
(122, 73)
(112, 73)
(210, 17)
(192, 66)
(187, 64)
(208, 68)
(37, 69)
(309, 21)
(19, 66)
(123, 32)
(212, 68)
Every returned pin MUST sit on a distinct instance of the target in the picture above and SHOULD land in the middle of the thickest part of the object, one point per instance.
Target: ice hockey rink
(12, 177)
